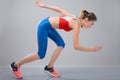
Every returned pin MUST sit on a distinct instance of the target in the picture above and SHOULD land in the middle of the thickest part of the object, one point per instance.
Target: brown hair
(85, 14)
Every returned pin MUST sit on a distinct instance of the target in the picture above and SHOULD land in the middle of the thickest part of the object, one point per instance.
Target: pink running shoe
(16, 71)
(51, 71)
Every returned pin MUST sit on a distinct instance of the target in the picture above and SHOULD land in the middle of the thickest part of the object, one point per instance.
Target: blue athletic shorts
(45, 30)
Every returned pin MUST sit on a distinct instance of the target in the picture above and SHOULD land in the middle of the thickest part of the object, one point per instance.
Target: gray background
(18, 29)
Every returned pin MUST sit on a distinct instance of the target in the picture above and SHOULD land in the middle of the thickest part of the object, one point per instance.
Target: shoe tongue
(50, 69)
(14, 67)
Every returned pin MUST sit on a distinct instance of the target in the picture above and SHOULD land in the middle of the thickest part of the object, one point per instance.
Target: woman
(46, 28)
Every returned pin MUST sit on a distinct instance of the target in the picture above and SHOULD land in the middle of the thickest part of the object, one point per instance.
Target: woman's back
(62, 22)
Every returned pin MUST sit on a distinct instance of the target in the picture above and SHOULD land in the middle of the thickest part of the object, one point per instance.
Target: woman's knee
(42, 53)
(62, 44)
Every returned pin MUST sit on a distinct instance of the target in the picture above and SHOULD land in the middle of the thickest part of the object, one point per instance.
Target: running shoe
(15, 70)
(51, 71)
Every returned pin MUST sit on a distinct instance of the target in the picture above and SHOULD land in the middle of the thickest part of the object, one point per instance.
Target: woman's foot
(51, 71)
(15, 70)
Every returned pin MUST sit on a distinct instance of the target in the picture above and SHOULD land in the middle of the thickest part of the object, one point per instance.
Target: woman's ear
(86, 19)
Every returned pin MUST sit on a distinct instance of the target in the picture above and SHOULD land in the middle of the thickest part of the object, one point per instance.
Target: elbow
(76, 47)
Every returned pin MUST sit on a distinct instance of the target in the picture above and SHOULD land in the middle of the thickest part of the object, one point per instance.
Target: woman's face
(87, 23)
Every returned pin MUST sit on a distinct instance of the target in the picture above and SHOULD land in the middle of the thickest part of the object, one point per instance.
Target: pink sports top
(64, 23)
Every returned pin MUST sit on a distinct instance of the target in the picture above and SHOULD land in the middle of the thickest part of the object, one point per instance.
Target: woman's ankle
(16, 65)
(50, 66)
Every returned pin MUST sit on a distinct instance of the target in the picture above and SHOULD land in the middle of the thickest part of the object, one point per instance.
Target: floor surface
(66, 74)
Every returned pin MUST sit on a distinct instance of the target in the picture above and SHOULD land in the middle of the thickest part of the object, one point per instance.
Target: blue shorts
(45, 30)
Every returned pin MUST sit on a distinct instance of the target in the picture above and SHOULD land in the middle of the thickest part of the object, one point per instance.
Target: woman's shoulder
(75, 20)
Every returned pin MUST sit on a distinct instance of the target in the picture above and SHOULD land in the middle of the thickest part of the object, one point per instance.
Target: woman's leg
(26, 59)
(42, 35)
(15, 66)
(42, 46)
(54, 35)
(54, 56)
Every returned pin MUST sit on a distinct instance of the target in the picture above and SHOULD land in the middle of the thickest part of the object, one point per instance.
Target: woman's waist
(54, 21)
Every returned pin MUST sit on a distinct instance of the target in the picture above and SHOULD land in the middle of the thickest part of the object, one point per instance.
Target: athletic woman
(47, 29)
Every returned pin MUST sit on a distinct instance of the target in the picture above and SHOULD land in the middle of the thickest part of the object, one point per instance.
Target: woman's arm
(54, 8)
(76, 41)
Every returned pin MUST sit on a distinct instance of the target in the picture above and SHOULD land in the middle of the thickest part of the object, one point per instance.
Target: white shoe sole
(10, 68)
(51, 74)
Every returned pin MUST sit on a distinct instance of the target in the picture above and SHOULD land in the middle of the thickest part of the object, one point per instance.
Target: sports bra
(64, 23)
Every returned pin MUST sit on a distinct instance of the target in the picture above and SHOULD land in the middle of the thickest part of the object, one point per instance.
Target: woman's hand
(96, 48)
(40, 4)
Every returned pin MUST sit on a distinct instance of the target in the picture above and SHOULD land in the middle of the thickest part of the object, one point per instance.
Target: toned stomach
(54, 21)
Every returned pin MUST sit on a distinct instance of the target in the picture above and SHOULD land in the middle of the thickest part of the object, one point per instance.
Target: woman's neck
(80, 22)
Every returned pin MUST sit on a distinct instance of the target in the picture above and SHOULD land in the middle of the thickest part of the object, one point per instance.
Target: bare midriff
(54, 21)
